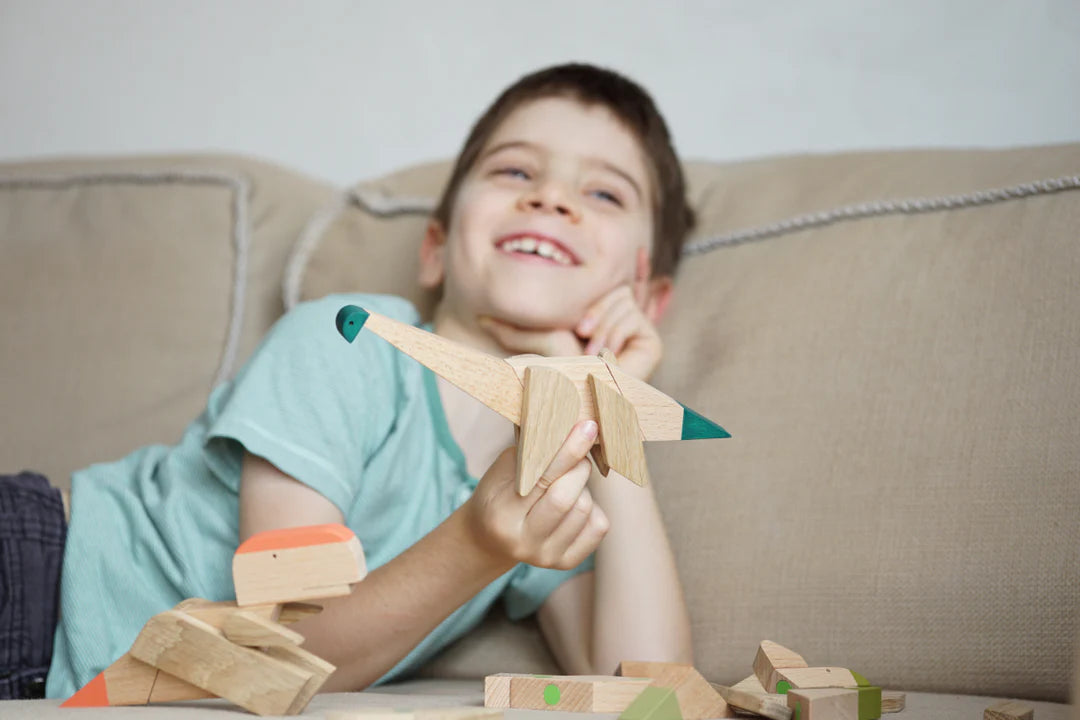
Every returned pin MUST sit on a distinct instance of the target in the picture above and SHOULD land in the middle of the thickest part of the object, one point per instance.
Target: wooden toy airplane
(240, 651)
(545, 396)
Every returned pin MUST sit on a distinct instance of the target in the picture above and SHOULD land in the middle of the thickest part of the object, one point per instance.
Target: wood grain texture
(698, 700)
(550, 409)
(302, 573)
(485, 377)
(771, 657)
(620, 436)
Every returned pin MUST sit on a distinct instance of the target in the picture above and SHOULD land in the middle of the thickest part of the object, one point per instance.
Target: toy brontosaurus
(241, 650)
(545, 396)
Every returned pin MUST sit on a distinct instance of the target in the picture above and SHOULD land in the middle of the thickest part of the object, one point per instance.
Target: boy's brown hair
(631, 104)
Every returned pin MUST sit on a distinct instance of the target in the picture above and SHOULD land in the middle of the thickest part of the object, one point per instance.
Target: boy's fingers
(576, 446)
(568, 529)
(587, 540)
(557, 501)
(624, 313)
(594, 316)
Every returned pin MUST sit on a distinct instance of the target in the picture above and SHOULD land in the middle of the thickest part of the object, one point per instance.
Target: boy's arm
(395, 607)
(632, 606)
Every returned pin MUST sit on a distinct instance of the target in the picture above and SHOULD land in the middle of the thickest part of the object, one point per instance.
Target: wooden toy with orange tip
(545, 396)
(240, 651)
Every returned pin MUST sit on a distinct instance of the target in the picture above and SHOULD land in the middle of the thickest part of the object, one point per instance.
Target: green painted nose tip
(349, 321)
(699, 427)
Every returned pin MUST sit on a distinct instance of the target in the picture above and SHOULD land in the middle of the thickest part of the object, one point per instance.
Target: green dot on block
(782, 687)
(552, 694)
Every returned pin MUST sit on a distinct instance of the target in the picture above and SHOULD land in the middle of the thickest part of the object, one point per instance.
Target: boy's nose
(547, 198)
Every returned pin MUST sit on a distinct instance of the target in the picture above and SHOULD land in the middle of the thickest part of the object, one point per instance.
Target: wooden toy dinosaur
(545, 396)
(240, 651)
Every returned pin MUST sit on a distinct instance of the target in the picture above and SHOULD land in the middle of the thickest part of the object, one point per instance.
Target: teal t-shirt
(361, 423)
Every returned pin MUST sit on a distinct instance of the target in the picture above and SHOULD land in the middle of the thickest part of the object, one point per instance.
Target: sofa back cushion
(902, 489)
(127, 287)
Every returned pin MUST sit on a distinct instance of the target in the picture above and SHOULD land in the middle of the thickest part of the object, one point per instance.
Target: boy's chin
(538, 315)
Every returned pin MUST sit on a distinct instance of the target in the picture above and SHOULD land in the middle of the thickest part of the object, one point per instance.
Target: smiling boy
(557, 234)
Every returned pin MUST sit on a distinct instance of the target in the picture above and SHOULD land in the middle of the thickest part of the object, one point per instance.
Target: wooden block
(1008, 710)
(654, 703)
(752, 685)
(698, 700)
(300, 563)
(215, 613)
(823, 704)
(200, 654)
(892, 701)
(862, 703)
(772, 657)
(250, 630)
(127, 681)
(497, 690)
(816, 677)
(620, 436)
(320, 671)
(169, 688)
(296, 611)
(487, 378)
(575, 693)
(761, 704)
(549, 411)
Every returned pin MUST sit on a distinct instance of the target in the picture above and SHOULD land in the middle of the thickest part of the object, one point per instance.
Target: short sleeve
(311, 403)
(530, 586)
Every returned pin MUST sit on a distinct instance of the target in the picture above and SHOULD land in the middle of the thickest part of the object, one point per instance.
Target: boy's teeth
(539, 247)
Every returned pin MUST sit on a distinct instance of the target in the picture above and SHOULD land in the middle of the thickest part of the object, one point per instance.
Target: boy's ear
(652, 293)
(658, 295)
(432, 256)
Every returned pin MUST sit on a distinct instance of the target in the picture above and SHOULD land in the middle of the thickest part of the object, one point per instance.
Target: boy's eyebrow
(511, 144)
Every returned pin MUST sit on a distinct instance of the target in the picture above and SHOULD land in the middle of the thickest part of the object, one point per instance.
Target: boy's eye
(514, 172)
(607, 197)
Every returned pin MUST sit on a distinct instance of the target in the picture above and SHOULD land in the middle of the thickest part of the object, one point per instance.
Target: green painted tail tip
(699, 427)
(349, 321)
(860, 680)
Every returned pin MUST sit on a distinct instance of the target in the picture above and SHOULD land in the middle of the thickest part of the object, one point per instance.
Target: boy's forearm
(637, 582)
(388, 613)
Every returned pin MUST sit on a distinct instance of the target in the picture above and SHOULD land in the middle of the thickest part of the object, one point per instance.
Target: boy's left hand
(615, 322)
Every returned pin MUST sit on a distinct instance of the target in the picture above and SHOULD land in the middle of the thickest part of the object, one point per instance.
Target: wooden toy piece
(317, 561)
(751, 684)
(772, 657)
(1008, 710)
(863, 703)
(497, 690)
(698, 700)
(620, 444)
(761, 704)
(654, 703)
(499, 383)
(487, 378)
(892, 701)
(572, 693)
(245, 654)
(549, 411)
(816, 677)
(198, 654)
(247, 628)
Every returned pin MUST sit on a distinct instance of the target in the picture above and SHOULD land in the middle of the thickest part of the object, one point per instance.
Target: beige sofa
(895, 350)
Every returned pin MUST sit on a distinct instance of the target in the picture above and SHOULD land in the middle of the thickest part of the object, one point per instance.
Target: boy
(557, 233)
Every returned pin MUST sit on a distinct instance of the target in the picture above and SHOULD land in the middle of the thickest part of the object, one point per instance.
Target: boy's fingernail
(589, 428)
(586, 325)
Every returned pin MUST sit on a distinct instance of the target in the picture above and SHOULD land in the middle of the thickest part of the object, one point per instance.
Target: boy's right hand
(557, 525)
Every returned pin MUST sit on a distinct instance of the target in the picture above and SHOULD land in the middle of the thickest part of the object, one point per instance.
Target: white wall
(345, 89)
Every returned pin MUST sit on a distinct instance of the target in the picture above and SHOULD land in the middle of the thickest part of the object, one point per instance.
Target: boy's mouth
(541, 246)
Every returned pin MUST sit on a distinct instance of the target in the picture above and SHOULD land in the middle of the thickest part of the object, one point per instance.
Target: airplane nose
(699, 427)
(349, 321)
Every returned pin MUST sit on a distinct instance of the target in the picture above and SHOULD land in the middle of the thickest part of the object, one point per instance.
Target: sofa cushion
(128, 287)
(902, 490)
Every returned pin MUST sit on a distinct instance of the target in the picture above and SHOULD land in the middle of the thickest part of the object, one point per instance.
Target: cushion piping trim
(380, 204)
(880, 208)
(241, 230)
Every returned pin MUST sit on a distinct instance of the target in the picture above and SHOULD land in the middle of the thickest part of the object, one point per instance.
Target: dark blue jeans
(32, 531)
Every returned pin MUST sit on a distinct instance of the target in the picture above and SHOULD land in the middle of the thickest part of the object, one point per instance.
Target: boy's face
(554, 214)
